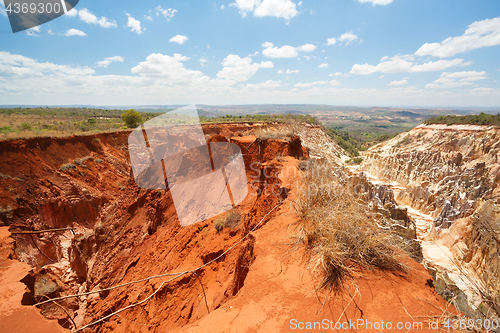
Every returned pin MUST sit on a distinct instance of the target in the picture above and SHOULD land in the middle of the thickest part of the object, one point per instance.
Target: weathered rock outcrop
(446, 171)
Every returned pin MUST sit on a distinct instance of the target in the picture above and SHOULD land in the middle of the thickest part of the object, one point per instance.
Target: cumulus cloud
(323, 65)
(377, 2)
(398, 83)
(107, 61)
(289, 71)
(169, 69)
(240, 69)
(33, 31)
(14, 65)
(134, 25)
(310, 84)
(168, 13)
(179, 39)
(479, 34)
(74, 32)
(406, 63)
(71, 13)
(335, 83)
(348, 37)
(285, 51)
(337, 74)
(457, 79)
(331, 41)
(88, 17)
(286, 9)
(203, 61)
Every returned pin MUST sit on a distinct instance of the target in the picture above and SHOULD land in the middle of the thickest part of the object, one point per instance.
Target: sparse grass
(340, 231)
(81, 161)
(229, 219)
(355, 160)
(280, 158)
(273, 133)
(5, 176)
(407, 140)
(7, 211)
(67, 166)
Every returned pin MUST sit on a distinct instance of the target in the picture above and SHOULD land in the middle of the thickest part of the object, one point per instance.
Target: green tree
(132, 118)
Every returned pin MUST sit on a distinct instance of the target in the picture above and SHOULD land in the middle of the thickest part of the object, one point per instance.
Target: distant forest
(473, 119)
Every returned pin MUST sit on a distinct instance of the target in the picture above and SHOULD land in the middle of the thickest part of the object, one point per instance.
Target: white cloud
(285, 51)
(381, 76)
(377, 2)
(134, 25)
(148, 17)
(168, 13)
(263, 85)
(310, 84)
(179, 39)
(479, 34)
(107, 61)
(286, 9)
(331, 41)
(289, 71)
(87, 17)
(254, 54)
(169, 70)
(406, 63)
(75, 32)
(306, 48)
(457, 79)
(335, 83)
(72, 13)
(240, 69)
(33, 31)
(203, 61)
(2, 11)
(337, 74)
(323, 65)
(162, 79)
(398, 83)
(222, 7)
(348, 37)
(14, 65)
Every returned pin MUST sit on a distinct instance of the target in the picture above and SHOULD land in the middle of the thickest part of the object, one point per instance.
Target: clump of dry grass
(339, 230)
(230, 219)
(273, 133)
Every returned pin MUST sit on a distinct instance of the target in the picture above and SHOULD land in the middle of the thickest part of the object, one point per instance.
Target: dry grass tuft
(340, 231)
(230, 219)
(273, 133)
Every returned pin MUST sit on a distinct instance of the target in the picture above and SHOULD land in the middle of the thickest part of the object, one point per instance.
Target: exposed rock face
(381, 200)
(446, 171)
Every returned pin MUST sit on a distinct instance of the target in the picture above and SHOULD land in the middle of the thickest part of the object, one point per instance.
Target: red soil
(259, 285)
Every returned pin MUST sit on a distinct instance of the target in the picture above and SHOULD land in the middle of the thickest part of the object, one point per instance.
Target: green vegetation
(54, 121)
(352, 143)
(355, 160)
(475, 119)
(132, 118)
(278, 118)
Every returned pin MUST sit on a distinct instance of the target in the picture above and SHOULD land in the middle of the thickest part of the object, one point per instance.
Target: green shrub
(24, 127)
(132, 118)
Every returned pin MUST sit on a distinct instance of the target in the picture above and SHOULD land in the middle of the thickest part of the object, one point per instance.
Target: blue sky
(424, 53)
